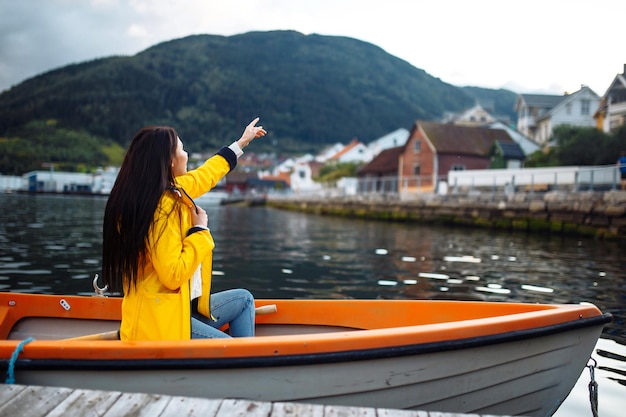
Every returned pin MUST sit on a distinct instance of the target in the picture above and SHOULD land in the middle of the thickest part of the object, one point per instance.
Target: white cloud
(137, 31)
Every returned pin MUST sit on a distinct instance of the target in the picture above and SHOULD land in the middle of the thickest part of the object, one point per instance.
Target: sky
(530, 46)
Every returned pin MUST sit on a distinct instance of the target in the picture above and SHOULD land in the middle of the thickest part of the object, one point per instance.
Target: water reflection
(52, 244)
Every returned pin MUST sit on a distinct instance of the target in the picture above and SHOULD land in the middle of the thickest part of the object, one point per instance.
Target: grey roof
(541, 100)
(511, 150)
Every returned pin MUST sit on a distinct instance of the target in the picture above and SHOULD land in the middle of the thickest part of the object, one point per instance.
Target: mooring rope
(10, 371)
(593, 388)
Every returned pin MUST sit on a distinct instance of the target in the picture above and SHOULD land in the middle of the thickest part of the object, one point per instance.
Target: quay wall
(586, 213)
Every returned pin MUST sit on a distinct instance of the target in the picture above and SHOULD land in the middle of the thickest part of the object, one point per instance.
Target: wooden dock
(35, 401)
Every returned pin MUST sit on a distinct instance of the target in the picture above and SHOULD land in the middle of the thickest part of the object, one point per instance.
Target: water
(52, 244)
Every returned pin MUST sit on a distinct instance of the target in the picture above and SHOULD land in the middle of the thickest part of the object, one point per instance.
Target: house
(433, 149)
(381, 173)
(385, 164)
(297, 173)
(474, 116)
(68, 182)
(355, 151)
(302, 174)
(506, 155)
(528, 145)
(530, 107)
(10, 183)
(238, 181)
(538, 115)
(251, 161)
(611, 113)
(479, 116)
(328, 152)
(391, 140)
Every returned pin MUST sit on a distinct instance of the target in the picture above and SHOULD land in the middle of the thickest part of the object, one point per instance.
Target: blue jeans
(235, 307)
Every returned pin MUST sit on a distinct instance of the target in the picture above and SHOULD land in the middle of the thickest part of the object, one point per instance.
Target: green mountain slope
(308, 90)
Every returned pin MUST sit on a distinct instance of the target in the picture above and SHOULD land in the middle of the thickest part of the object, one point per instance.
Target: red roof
(346, 149)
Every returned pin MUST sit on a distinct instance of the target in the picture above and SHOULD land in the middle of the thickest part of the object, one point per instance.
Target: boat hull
(530, 378)
(508, 370)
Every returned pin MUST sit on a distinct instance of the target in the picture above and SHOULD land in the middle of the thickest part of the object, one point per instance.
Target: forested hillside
(308, 90)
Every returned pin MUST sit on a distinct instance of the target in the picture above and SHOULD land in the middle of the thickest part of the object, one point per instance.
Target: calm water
(52, 244)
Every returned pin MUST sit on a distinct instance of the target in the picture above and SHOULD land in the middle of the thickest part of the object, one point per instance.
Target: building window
(417, 146)
(584, 107)
(416, 169)
(568, 108)
(458, 168)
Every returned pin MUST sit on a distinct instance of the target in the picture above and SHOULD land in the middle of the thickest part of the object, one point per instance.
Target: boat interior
(53, 317)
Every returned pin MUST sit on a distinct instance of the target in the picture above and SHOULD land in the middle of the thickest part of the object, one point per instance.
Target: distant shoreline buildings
(470, 140)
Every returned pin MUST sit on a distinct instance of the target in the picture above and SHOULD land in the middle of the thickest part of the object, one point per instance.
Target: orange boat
(450, 356)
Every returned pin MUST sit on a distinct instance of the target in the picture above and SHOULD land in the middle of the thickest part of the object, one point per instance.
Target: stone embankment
(587, 213)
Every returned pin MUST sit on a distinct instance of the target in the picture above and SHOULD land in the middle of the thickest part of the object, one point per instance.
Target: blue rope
(10, 376)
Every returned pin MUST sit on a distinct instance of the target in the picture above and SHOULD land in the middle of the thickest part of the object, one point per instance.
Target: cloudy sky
(534, 46)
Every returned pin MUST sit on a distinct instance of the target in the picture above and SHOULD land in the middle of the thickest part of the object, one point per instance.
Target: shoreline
(587, 213)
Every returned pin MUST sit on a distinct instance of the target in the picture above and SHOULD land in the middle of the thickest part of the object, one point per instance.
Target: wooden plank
(37, 400)
(402, 413)
(335, 411)
(244, 408)
(191, 407)
(8, 392)
(85, 403)
(138, 405)
(297, 410)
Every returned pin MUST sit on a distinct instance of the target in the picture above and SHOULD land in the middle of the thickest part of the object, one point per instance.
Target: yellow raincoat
(159, 307)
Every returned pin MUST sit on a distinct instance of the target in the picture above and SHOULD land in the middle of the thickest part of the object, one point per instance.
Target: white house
(300, 172)
(355, 151)
(68, 182)
(474, 116)
(10, 183)
(538, 115)
(329, 152)
(390, 140)
(301, 177)
(530, 107)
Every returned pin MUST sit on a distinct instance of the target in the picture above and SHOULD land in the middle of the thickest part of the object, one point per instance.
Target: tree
(44, 142)
(334, 171)
(580, 146)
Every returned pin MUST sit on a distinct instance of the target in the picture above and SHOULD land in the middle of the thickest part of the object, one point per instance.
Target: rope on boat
(593, 388)
(10, 371)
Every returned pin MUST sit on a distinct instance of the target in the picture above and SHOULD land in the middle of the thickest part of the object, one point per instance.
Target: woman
(157, 248)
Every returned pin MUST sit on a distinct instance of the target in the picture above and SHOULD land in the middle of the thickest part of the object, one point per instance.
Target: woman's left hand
(251, 132)
(199, 216)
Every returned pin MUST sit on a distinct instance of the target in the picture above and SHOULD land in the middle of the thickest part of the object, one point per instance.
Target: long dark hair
(145, 174)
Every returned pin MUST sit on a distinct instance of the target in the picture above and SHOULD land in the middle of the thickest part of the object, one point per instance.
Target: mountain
(309, 90)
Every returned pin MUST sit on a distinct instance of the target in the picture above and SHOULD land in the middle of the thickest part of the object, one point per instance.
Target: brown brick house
(433, 149)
